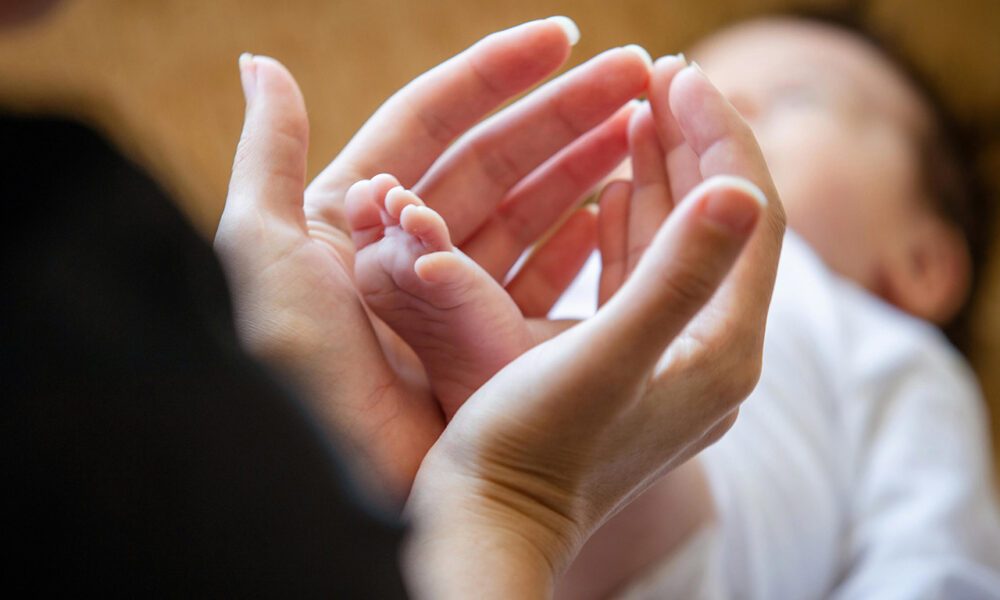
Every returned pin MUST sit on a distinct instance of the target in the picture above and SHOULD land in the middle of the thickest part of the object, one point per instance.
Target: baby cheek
(823, 173)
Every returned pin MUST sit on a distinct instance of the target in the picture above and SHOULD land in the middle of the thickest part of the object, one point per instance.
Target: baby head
(861, 158)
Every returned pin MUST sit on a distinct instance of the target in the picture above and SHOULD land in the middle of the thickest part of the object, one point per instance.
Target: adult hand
(289, 258)
(569, 433)
(669, 140)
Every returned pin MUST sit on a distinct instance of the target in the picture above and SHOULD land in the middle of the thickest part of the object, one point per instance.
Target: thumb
(269, 170)
(687, 261)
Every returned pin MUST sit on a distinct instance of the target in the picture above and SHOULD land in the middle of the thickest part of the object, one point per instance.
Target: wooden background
(160, 76)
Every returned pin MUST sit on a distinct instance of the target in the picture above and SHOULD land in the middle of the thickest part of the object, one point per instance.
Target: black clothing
(142, 451)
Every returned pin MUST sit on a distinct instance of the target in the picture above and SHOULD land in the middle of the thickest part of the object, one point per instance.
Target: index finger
(408, 133)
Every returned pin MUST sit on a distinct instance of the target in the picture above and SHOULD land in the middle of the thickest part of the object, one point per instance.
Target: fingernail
(697, 67)
(643, 54)
(670, 58)
(569, 28)
(248, 76)
(732, 211)
(683, 58)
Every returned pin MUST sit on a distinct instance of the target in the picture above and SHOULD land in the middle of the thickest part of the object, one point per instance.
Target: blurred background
(160, 78)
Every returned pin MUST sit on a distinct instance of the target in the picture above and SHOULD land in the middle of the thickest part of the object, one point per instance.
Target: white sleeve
(693, 572)
(923, 517)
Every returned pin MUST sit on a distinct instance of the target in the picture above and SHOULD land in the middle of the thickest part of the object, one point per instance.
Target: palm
(290, 259)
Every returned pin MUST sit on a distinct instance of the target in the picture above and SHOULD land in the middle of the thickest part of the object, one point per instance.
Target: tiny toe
(443, 268)
(383, 182)
(363, 213)
(399, 198)
(427, 225)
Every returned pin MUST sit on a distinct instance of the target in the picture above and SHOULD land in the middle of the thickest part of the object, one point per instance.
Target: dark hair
(947, 152)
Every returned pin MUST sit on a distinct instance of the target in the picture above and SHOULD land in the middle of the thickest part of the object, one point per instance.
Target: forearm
(648, 530)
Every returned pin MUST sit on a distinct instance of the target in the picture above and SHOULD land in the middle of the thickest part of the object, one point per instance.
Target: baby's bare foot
(458, 319)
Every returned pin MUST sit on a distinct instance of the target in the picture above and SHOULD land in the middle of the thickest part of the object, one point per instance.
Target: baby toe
(363, 213)
(426, 225)
(399, 198)
(446, 268)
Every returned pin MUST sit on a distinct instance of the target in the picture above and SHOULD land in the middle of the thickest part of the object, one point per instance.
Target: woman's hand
(289, 258)
(569, 433)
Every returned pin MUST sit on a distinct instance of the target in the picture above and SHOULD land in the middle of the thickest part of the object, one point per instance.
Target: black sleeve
(143, 452)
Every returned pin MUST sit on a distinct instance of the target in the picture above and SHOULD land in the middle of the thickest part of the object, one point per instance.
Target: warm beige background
(160, 75)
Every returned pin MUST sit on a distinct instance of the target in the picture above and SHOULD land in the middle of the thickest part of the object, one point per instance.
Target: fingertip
(272, 76)
(731, 203)
(614, 192)
(670, 63)
(248, 76)
(642, 53)
(569, 27)
(666, 68)
(274, 140)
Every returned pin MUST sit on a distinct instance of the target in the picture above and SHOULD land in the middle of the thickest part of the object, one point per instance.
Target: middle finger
(470, 180)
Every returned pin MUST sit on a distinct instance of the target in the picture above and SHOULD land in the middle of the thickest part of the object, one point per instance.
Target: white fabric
(859, 468)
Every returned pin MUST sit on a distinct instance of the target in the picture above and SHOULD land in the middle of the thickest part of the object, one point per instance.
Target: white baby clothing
(859, 467)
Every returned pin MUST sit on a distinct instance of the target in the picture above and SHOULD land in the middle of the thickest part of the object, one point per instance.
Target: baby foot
(461, 323)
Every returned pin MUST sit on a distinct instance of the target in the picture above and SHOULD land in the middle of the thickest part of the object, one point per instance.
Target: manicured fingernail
(731, 211)
(669, 58)
(683, 58)
(248, 76)
(569, 28)
(643, 54)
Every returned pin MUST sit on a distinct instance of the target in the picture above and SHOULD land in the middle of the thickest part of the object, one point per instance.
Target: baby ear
(931, 275)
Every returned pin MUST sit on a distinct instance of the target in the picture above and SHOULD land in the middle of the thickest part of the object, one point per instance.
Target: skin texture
(567, 433)
(288, 251)
(557, 469)
(461, 323)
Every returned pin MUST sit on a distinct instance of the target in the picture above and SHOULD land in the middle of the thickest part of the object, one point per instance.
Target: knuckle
(499, 167)
(687, 287)
(737, 379)
(436, 127)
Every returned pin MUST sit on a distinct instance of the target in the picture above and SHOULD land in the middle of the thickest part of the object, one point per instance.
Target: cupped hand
(287, 251)
(569, 433)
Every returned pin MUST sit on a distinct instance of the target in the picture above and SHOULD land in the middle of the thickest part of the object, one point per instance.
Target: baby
(859, 466)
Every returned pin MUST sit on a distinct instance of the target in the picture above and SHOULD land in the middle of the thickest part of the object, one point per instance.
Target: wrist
(471, 538)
